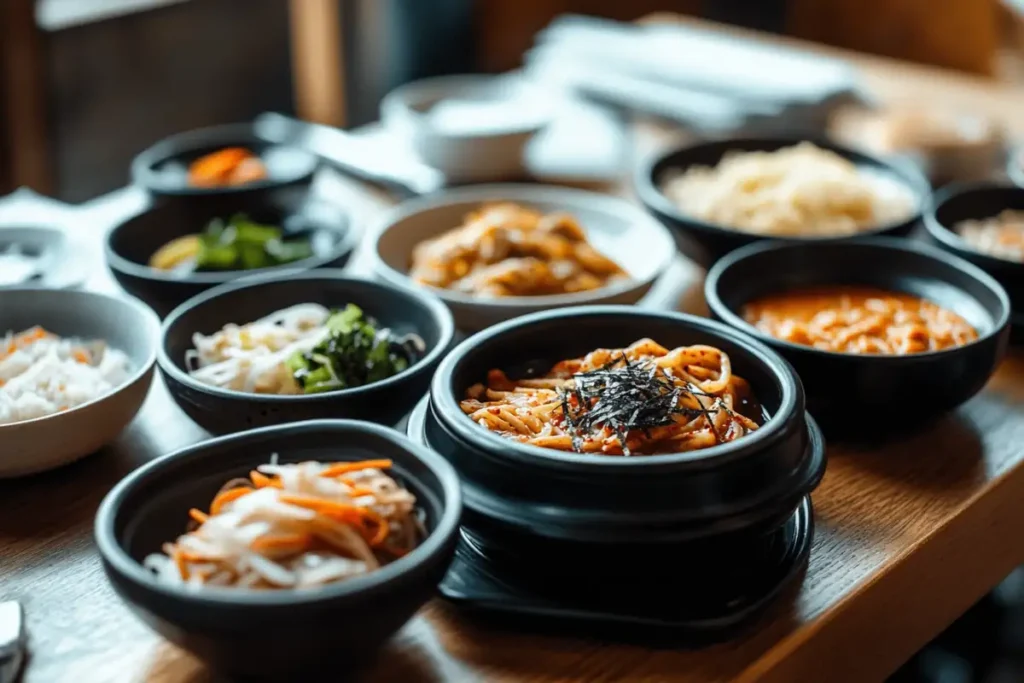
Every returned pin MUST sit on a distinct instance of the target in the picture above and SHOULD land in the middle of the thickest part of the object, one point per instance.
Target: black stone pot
(568, 510)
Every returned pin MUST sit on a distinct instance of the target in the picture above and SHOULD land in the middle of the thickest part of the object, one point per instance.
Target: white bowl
(126, 324)
(483, 135)
(616, 228)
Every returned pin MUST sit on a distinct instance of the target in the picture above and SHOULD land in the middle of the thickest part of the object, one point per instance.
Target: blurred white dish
(471, 128)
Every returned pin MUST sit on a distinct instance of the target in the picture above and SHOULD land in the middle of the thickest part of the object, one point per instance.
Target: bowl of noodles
(718, 196)
(885, 333)
(610, 424)
(308, 345)
(278, 552)
(495, 252)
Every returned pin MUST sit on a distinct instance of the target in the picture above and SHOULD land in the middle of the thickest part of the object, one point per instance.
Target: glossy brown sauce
(859, 320)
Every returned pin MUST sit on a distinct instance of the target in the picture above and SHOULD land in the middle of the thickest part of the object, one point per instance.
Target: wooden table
(908, 536)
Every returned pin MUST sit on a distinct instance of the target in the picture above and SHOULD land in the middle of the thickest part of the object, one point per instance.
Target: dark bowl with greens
(170, 252)
(308, 345)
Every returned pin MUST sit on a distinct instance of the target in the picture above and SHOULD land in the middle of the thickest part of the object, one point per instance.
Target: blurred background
(86, 84)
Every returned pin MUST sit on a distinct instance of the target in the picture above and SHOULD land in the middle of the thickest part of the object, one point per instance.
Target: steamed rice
(42, 374)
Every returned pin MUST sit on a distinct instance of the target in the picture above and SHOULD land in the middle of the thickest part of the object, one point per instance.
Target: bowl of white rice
(75, 368)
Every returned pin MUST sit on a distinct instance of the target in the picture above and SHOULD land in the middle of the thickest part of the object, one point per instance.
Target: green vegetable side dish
(354, 353)
(236, 244)
(241, 244)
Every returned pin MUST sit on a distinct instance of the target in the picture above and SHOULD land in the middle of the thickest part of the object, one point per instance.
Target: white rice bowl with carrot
(42, 373)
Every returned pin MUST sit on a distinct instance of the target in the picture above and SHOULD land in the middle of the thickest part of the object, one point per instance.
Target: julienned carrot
(221, 547)
(346, 467)
(322, 506)
(26, 338)
(225, 497)
(262, 481)
(179, 561)
(356, 515)
(214, 168)
(356, 492)
(382, 531)
(198, 515)
(281, 542)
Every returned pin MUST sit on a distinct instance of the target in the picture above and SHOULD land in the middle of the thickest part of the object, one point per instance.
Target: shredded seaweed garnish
(625, 395)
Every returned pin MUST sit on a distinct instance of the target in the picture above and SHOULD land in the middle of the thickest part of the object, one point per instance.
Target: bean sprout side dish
(303, 349)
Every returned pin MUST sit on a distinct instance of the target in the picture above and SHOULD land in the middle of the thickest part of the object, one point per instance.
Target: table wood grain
(908, 536)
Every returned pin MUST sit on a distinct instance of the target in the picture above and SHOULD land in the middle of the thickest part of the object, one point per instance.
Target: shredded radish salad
(294, 526)
(42, 373)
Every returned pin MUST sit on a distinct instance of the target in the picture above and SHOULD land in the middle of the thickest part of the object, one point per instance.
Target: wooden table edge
(897, 605)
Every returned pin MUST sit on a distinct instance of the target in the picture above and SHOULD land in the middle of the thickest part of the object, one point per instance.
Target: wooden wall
(959, 34)
(116, 86)
(506, 28)
(25, 157)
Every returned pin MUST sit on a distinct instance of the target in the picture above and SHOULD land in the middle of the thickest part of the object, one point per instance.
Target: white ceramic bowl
(616, 228)
(484, 146)
(125, 324)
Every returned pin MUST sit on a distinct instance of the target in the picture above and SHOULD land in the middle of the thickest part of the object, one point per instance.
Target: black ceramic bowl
(223, 410)
(958, 203)
(275, 635)
(705, 243)
(517, 490)
(163, 168)
(857, 395)
(130, 244)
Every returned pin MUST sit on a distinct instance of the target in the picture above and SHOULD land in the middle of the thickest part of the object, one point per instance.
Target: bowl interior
(617, 229)
(401, 311)
(533, 348)
(154, 508)
(132, 243)
(973, 203)
(164, 166)
(883, 264)
(711, 153)
(124, 325)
